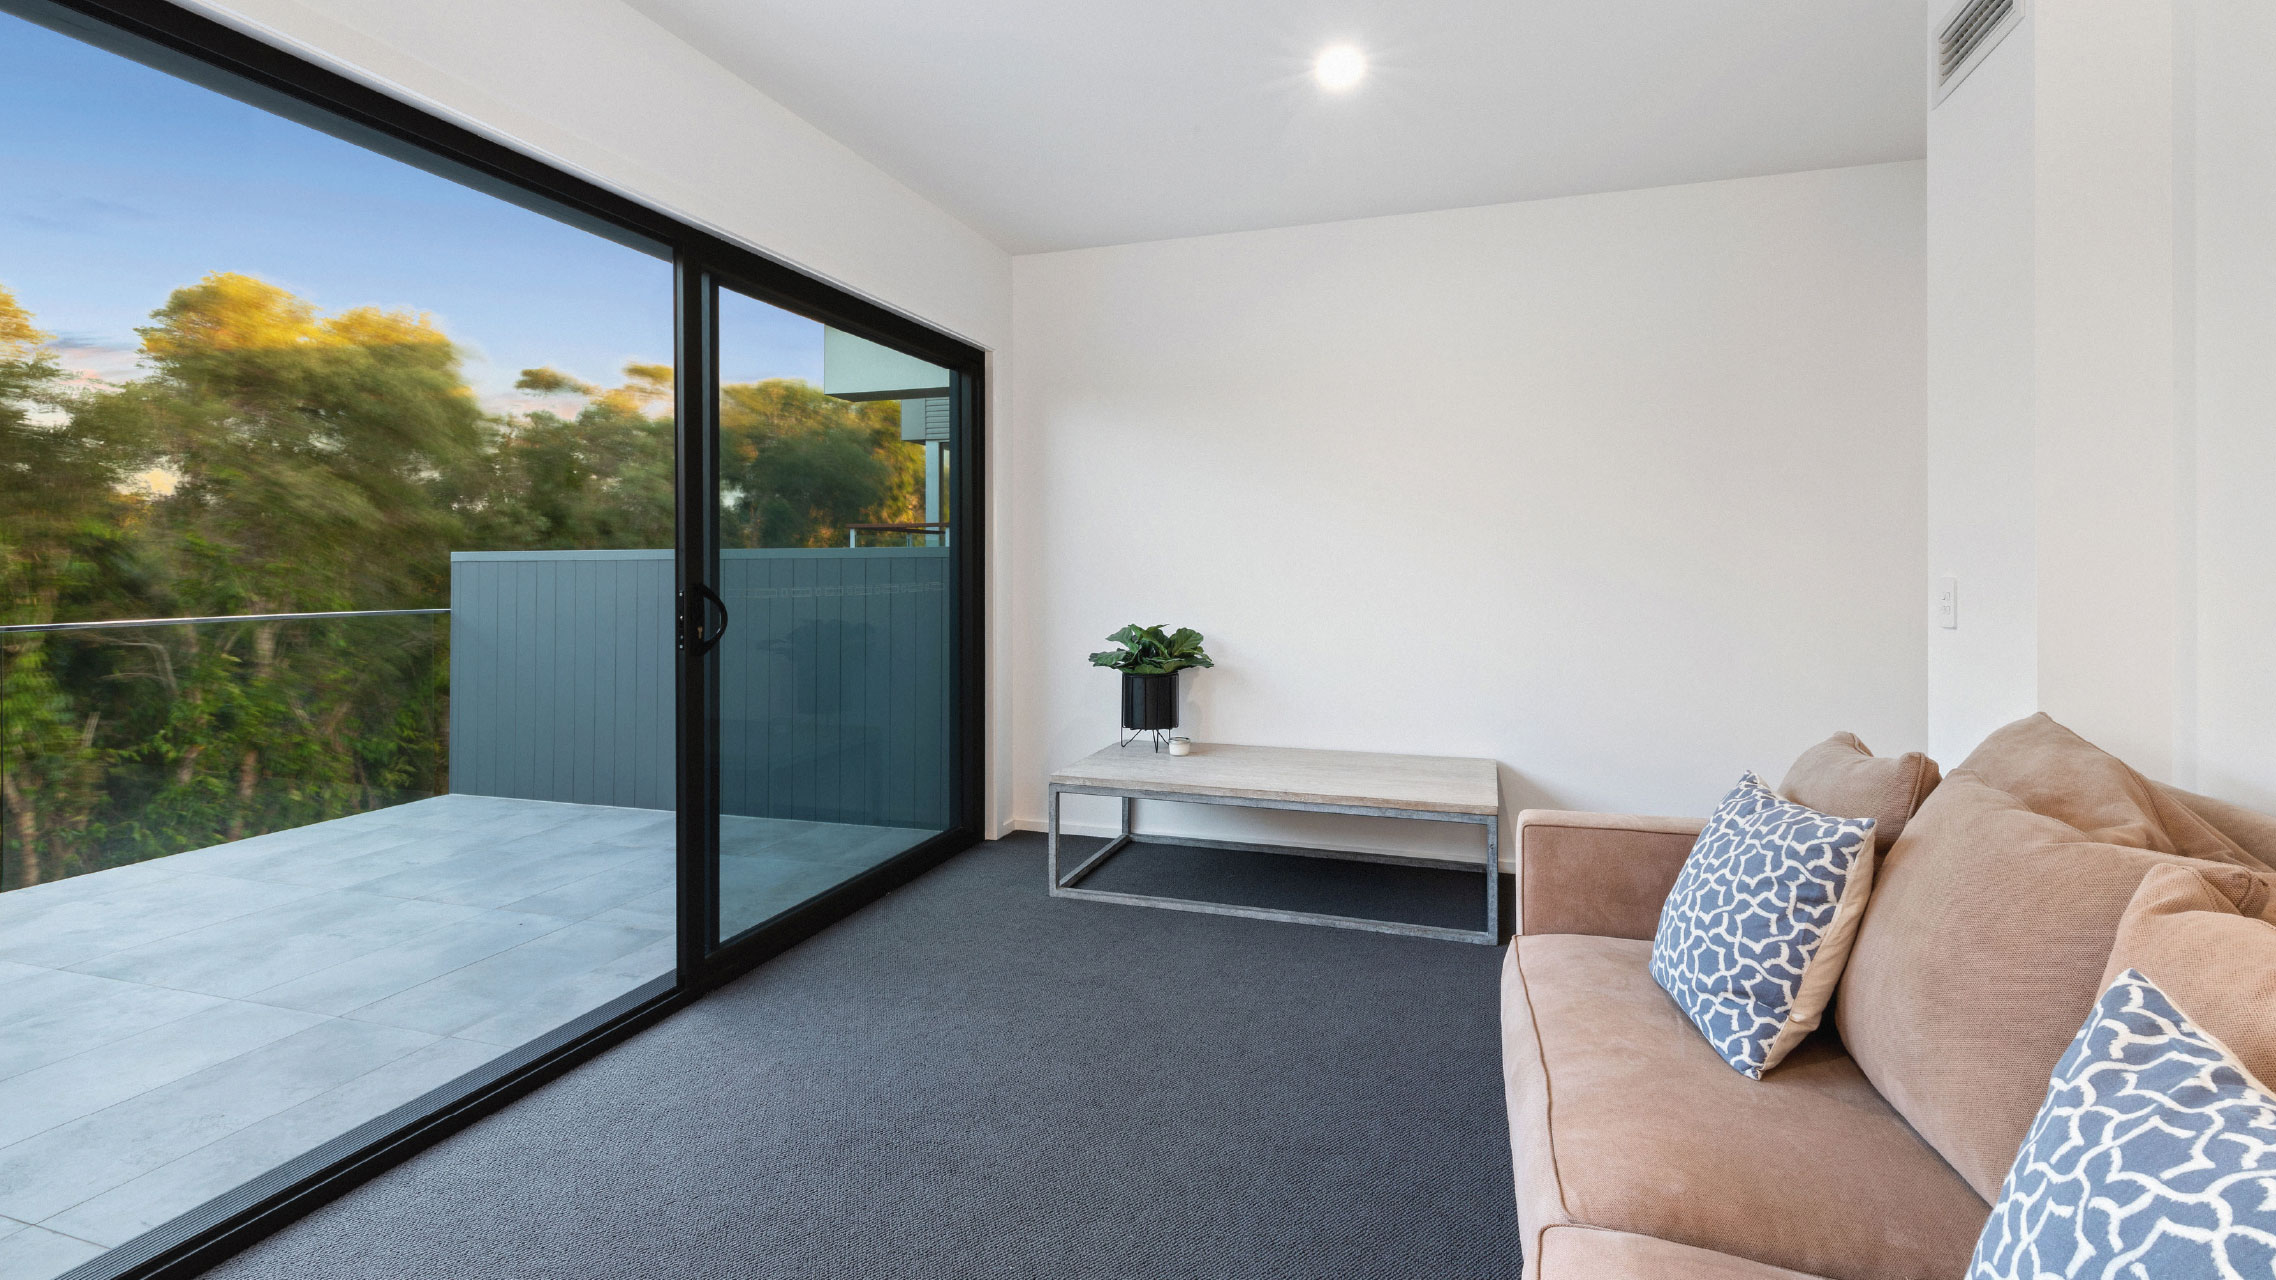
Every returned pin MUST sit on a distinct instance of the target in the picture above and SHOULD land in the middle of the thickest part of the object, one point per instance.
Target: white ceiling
(1055, 124)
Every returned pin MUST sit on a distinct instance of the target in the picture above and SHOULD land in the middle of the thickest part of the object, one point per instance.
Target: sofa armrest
(1600, 873)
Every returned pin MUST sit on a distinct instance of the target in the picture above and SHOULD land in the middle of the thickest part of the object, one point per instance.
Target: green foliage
(797, 467)
(274, 459)
(543, 482)
(1149, 651)
(550, 381)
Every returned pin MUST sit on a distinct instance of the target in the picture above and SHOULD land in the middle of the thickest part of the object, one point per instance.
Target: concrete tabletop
(1370, 779)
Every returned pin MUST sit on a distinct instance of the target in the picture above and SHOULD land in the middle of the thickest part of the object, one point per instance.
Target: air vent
(1968, 35)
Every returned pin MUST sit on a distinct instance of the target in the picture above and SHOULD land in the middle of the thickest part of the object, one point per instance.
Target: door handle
(693, 633)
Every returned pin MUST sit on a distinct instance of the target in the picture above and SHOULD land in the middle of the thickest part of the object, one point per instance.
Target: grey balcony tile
(438, 815)
(287, 856)
(250, 953)
(30, 992)
(533, 874)
(661, 833)
(405, 850)
(35, 1253)
(152, 1090)
(123, 1212)
(72, 1088)
(113, 916)
(616, 825)
(540, 1011)
(33, 900)
(490, 986)
(490, 860)
(656, 909)
(398, 814)
(821, 842)
(652, 961)
(614, 887)
(511, 819)
(57, 1015)
(353, 984)
(756, 886)
(52, 1171)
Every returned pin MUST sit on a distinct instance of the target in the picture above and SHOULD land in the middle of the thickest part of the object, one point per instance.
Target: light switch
(1948, 603)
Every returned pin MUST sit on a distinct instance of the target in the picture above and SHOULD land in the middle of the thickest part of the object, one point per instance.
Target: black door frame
(705, 959)
(222, 58)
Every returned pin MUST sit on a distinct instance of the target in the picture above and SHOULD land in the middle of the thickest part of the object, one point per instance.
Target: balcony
(174, 1022)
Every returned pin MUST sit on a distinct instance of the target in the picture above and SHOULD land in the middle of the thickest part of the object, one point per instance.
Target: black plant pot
(1150, 702)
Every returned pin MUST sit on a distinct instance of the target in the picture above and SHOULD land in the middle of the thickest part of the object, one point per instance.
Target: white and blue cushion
(1754, 934)
(2154, 1155)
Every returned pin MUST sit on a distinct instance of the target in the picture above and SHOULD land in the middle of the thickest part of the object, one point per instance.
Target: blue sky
(120, 183)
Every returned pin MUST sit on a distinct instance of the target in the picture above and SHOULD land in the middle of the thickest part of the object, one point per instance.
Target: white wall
(602, 91)
(1981, 386)
(2109, 491)
(1624, 491)
(2230, 252)
(2056, 492)
(2102, 420)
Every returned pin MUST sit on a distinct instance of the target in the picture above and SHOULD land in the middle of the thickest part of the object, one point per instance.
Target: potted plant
(1149, 660)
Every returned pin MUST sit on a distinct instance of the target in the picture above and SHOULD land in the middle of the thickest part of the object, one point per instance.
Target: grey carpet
(1333, 886)
(971, 1079)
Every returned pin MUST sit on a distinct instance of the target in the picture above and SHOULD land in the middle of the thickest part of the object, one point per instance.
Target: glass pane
(265, 876)
(833, 673)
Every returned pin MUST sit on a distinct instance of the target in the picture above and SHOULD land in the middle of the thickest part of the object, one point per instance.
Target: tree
(274, 459)
(57, 522)
(301, 463)
(797, 466)
(600, 479)
(295, 444)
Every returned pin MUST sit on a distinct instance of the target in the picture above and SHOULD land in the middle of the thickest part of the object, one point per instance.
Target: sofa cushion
(1650, 1132)
(1841, 776)
(1586, 1253)
(1979, 956)
(2154, 1155)
(2254, 832)
(2211, 952)
(2060, 774)
(1754, 933)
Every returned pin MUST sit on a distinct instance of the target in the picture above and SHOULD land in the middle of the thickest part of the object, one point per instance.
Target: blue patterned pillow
(1758, 926)
(2154, 1155)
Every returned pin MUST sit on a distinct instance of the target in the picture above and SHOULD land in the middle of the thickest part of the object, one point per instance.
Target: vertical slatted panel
(550, 721)
(877, 679)
(658, 691)
(833, 681)
(584, 672)
(898, 749)
(857, 733)
(928, 656)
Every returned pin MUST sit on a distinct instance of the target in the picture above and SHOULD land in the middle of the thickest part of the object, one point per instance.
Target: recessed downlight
(1339, 67)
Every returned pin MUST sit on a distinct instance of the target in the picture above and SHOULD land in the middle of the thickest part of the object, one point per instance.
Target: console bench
(1374, 784)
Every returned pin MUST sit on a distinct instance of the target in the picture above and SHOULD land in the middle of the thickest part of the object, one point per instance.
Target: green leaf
(1153, 651)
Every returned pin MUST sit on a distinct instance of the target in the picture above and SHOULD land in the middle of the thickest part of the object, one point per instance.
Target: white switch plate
(1948, 603)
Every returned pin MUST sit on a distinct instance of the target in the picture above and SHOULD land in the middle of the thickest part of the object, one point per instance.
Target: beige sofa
(1640, 1155)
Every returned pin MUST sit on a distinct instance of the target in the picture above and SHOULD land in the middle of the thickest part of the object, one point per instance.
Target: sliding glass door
(441, 624)
(829, 683)
(336, 547)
